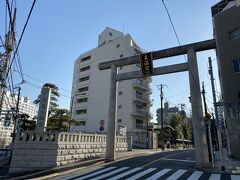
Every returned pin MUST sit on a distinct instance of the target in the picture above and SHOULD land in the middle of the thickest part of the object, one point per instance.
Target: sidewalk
(231, 165)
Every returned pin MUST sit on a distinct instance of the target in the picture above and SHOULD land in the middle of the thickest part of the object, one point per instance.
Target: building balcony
(141, 126)
(142, 98)
(140, 85)
(142, 113)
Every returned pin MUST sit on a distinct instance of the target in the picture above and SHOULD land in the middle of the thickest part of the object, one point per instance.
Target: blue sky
(60, 30)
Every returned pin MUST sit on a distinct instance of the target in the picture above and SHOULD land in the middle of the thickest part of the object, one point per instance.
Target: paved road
(164, 165)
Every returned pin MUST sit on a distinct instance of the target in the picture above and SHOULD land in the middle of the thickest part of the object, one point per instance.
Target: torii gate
(201, 150)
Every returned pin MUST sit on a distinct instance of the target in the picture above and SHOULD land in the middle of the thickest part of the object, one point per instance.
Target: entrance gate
(201, 151)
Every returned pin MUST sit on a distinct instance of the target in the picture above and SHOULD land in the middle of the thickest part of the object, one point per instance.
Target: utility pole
(16, 115)
(208, 126)
(182, 115)
(15, 123)
(216, 113)
(9, 45)
(161, 106)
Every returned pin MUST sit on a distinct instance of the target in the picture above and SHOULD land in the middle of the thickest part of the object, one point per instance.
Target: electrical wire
(40, 87)
(175, 32)
(39, 80)
(19, 42)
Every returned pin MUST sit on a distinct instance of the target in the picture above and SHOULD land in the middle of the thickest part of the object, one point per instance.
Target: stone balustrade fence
(41, 150)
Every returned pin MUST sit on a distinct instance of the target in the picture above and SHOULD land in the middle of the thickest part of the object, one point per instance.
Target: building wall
(9, 102)
(228, 50)
(109, 48)
(42, 150)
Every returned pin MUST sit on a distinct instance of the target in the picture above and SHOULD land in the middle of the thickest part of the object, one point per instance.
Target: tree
(187, 132)
(175, 123)
(25, 123)
(59, 120)
(53, 99)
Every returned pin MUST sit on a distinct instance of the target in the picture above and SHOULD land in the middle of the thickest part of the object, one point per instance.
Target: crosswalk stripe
(235, 177)
(196, 175)
(125, 174)
(176, 175)
(141, 174)
(96, 173)
(110, 173)
(77, 175)
(159, 174)
(215, 177)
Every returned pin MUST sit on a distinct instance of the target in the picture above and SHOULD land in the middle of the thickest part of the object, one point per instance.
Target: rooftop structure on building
(168, 113)
(91, 87)
(226, 25)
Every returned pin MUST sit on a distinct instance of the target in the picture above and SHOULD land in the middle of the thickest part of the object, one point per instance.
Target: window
(138, 106)
(83, 89)
(139, 124)
(118, 45)
(139, 121)
(85, 68)
(86, 58)
(139, 93)
(234, 34)
(119, 120)
(110, 34)
(86, 78)
(121, 55)
(82, 100)
(82, 123)
(120, 93)
(236, 66)
(81, 111)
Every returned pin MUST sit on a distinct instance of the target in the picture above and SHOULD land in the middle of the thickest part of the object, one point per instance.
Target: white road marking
(159, 174)
(110, 173)
(125, 174)
(141, 174)
(235, 177)
(94, 174)
(182, 160)
(215, 177)
(176, 175)
(79, 174)
(196, 175)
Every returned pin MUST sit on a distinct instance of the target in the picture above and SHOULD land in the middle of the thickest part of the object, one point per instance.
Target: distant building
(91, 87)
(226, 25)
(168, 113)
(9, 105)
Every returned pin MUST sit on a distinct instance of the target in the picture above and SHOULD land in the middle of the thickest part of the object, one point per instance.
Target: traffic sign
(101, 128)
(101, 122)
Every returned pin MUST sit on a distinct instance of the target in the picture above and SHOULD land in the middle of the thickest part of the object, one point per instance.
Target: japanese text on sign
(146, 63)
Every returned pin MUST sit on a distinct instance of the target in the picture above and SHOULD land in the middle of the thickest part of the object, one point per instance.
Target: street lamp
(71, 107)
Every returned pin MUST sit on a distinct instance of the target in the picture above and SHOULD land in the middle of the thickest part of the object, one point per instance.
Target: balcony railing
(142, 112)
(141, 126)
(141, 84)
(142, 98)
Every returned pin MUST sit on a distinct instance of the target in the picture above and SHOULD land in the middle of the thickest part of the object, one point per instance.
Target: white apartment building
(9, 103)
(91, 87)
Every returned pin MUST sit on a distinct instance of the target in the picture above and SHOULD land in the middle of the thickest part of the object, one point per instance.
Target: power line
(16, 50)
(39, 80)
(40, 87)
(175, 32)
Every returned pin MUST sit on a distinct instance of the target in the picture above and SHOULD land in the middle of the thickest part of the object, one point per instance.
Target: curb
(55, 170)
